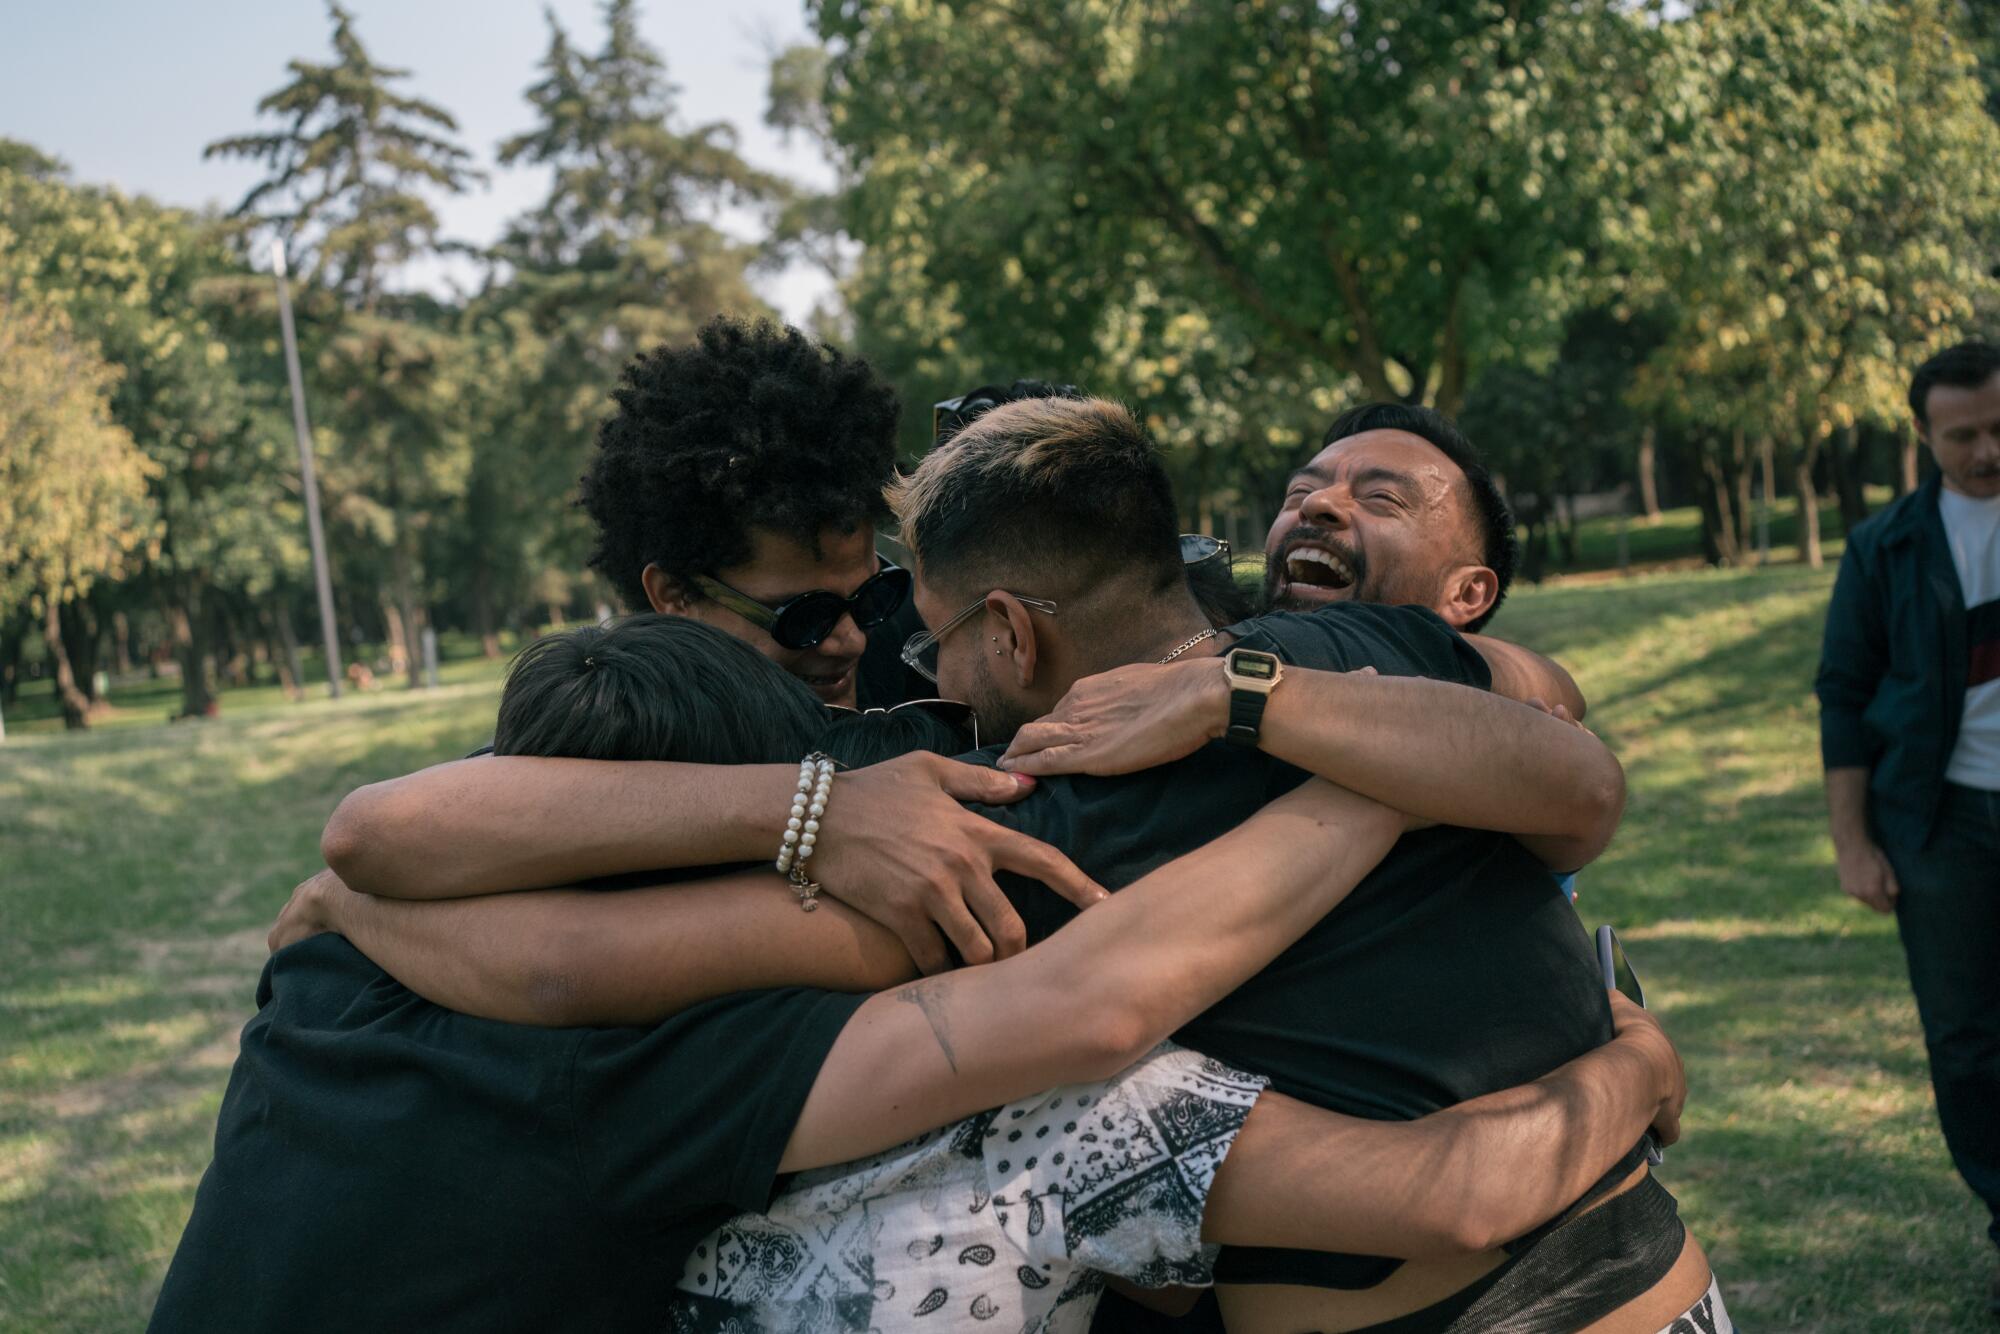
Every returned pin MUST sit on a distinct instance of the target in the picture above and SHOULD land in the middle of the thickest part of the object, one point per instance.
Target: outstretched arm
(1436, 750)
(1100, 992)
(566, 958)
(503, 823)
(507, 822)
(1082, 1005)
(1467, 1178)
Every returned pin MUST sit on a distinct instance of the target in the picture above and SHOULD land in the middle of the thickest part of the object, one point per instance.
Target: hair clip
(589, 661)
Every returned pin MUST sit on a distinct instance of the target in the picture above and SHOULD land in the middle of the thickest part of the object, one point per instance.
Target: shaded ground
(1814, 1171)
(139, 867)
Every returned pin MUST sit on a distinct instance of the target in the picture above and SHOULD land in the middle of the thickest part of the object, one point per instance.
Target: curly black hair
(751, 425)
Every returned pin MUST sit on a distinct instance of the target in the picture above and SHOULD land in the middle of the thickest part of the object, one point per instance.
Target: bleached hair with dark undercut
(1070, 490)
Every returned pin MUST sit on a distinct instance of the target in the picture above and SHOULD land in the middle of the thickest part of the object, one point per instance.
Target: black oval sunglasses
(802, 622)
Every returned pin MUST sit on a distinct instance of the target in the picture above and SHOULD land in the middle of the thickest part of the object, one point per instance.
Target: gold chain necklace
(1206, 634)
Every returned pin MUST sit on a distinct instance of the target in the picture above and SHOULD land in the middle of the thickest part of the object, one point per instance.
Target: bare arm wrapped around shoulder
(1081, 1005)
(1468, 1178)
(904, 850)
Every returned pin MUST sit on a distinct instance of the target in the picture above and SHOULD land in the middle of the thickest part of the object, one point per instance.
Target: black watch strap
(1246, 716)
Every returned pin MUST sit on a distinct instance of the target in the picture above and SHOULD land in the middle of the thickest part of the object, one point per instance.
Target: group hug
(948, 903)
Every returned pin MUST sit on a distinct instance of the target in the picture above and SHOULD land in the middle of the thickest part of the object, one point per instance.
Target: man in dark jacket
(1909, 690)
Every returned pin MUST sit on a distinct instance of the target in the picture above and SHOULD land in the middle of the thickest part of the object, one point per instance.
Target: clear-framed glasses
(920, 653)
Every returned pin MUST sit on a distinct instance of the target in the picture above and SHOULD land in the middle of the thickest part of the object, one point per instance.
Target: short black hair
(856, 740)
(750, 426)
(1962, 366)
(1499, 548)
(1070, 488)
(657, 687)
(654, 687)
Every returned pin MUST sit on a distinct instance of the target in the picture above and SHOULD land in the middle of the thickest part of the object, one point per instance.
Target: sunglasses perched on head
(1199, 547)
(953, 713)
(802, 622)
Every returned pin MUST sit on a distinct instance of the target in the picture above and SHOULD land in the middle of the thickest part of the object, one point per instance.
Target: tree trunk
(1802, 477)
(1711, 541)
(1719, 514)
(1906, 465)
(1451, 363)
(80, 636)
(413, 638)
(291, 669)
(13, 630)
(235, 658)
(1535, 550)
(1843, 462)
(121, 644)
(483, 621)
(1649, 473)
(1767, 463)
(188, 624)
(1565, 510)
(392, 629)
(75, 708)
(1739, 471)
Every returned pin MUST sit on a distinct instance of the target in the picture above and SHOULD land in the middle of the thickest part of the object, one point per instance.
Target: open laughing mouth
(1319, 572)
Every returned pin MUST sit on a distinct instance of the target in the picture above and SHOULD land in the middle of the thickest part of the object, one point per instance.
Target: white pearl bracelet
(802, 827)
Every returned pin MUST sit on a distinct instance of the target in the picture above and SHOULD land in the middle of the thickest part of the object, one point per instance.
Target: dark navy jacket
(1892, 672)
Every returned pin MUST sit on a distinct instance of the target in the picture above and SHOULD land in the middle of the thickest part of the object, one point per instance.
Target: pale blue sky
(127, 92)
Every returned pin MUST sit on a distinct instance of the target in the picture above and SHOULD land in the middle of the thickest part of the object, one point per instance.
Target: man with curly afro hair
(739, 482)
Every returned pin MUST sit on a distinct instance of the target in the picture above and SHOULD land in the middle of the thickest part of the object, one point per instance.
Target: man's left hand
(306, 914)
(1126, 719)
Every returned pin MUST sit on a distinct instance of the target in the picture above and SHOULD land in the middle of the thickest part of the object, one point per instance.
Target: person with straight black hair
(654, 687)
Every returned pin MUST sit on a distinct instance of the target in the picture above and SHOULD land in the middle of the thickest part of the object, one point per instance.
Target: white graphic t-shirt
(1972, 527)
(1008, 1220)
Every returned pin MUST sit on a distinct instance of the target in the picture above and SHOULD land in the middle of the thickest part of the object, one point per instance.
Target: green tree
(1816, 221)
(398, 456)
(1558, 431)
(624, 252)
(349, 175)
(157, 291)
(1236, 215)
(73, 501)
(347, 171)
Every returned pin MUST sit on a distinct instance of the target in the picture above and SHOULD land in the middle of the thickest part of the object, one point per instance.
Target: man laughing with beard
(1397, 509)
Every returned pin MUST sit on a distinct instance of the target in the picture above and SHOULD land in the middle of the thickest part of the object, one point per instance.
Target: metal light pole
(321, 577)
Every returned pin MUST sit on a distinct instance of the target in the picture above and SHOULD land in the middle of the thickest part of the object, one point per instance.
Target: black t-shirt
(382, 1163)
(1455, 969)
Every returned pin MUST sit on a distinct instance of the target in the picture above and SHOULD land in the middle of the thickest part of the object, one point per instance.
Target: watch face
(1254, 667)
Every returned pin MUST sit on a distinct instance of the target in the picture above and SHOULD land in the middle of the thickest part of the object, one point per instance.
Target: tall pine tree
(350, 176)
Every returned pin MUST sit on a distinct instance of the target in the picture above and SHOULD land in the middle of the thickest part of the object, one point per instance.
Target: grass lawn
(1675, 537)
(140, 866)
